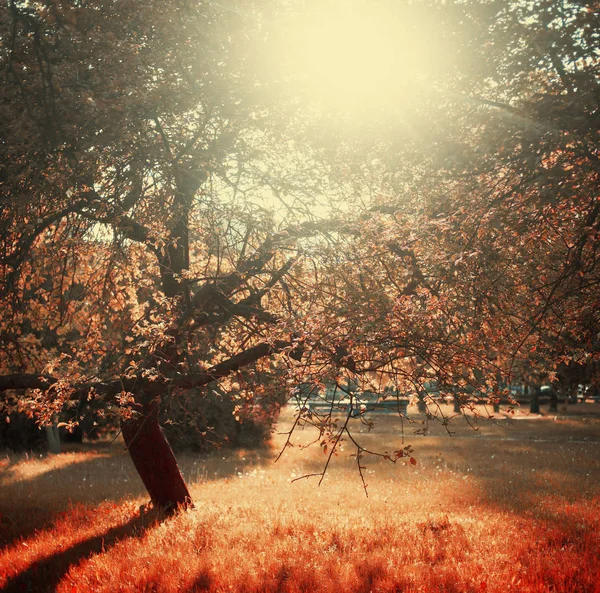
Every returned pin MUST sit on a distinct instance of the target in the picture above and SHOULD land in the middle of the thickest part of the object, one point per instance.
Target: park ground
(513, 506)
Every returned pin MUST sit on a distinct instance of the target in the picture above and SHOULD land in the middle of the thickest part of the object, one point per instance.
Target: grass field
(514, 506)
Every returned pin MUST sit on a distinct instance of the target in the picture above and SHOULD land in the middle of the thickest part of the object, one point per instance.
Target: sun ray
(357, 57)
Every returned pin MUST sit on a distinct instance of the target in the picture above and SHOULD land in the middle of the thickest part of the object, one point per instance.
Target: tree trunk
(149, 449)
(534, 405)
(553, 399)
(421, 405)
(155, 461)
(457, 408)
(53, 439)
(500, 385)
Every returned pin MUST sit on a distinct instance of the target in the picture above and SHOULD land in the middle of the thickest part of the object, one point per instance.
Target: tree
(479, 249)
(535, 232)
(143, 254)
(507, 213)
(140, 256)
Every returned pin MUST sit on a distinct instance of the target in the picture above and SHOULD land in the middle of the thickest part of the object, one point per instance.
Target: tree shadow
(368, 577)
(45, 574)
(552, 480)
(33, 503)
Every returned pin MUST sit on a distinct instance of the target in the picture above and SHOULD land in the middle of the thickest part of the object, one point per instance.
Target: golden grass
(503, 509)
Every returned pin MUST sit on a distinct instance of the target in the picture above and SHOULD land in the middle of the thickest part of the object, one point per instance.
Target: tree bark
(53, 439)
(421, 405)
(553, 399)
(534, 405)
(154, 460)
(457, 408)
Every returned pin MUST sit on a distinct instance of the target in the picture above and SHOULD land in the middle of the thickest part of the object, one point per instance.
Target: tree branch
(26, 381)
(225, 368)
(109, 389)
(26, 243)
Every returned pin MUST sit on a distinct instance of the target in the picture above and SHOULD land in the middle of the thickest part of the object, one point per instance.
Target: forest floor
(512, 506)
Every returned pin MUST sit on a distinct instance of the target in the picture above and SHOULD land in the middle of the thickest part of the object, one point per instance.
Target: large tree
(173, 213)
(140, 167)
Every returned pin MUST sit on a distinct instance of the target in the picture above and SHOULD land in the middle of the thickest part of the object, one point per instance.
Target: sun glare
(357, 56)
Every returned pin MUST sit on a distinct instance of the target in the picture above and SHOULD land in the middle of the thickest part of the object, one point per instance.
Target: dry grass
(512, 508)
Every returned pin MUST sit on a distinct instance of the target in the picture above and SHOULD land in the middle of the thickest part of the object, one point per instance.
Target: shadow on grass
(45, 575)
(204, 581)
(551, 485)
(31, 504)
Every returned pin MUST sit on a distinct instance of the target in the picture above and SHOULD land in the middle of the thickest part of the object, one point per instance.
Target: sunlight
(33, 468)
(358, 56)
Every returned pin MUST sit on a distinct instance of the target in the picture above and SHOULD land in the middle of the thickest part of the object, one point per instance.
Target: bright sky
(355, 56)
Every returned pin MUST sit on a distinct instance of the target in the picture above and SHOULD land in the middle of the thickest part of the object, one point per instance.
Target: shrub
(211, 419)
(20, 433)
